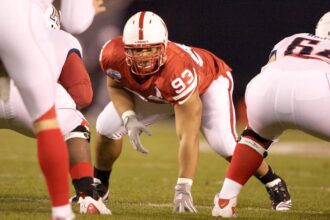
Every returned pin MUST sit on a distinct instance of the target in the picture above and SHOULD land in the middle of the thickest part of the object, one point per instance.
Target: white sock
(63, 211)
(230, 189)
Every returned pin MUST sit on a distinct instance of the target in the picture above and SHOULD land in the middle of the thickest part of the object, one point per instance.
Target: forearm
(188, 120)
(188, 157)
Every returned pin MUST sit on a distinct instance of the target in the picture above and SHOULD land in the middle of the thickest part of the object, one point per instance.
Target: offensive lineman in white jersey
(28, 57)
(74, 126)
(291, 92)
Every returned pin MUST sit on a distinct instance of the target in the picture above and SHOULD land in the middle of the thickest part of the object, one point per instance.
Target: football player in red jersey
(150, 78)
(291, 92)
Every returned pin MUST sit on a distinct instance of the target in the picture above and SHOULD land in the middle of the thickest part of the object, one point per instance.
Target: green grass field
(142, 187)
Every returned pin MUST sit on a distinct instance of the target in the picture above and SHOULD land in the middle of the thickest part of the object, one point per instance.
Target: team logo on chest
(158, 96)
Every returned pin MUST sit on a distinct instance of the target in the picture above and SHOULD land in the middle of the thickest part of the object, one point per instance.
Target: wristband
(185, 181)
(126, 114)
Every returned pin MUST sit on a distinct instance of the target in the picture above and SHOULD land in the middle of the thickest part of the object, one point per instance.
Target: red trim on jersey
(84, 123)
(231, 108)
(141, 20)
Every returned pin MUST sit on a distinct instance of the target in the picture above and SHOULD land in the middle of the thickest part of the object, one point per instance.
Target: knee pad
(255, 141)
(81, 131)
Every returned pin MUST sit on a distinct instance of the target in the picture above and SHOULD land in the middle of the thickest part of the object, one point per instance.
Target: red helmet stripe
(141, 20)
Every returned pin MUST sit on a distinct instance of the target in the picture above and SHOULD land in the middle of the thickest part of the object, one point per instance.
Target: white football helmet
(145, 39)
(52, 17)
(323, 26)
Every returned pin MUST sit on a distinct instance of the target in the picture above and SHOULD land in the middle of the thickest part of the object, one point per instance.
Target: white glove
(134, 129)
(183, 201)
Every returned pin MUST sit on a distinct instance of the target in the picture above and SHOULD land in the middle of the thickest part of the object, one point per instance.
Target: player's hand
(183, 201)
(99, 6)
(134, 129)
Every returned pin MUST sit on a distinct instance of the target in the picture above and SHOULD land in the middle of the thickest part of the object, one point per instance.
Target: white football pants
(28, 54)
(292, 93)
(14, 115)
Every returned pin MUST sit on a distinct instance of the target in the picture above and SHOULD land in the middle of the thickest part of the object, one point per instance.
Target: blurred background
(241, 32)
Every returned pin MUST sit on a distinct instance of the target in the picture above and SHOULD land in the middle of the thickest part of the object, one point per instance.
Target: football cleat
(279, 195)
(74, 199)
(88, 205)
(101, 189)
(225, 208)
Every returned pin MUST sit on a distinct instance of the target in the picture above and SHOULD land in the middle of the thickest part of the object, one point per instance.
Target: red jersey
(185, 70)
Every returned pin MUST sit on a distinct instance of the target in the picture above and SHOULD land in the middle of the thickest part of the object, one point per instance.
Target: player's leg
(251, 147)
(14, 115)
(107, 151)
(108, 145)
(32, 73)
(81, 171)
(218, 125)
(219, 120)
(76, 131)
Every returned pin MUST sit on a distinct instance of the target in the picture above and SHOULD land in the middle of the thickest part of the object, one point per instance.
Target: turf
(142, 186)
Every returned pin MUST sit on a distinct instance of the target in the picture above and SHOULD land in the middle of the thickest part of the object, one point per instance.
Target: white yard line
(21, 199)
(161, 205)
(302, 148)
(169, 205)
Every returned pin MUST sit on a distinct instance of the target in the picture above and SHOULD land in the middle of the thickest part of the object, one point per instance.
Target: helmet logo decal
(141, 20)
(158, 93)
(114, 74)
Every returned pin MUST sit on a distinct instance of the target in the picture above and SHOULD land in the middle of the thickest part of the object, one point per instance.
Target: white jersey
(43, 3)
(303, 46)
(292, 92)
